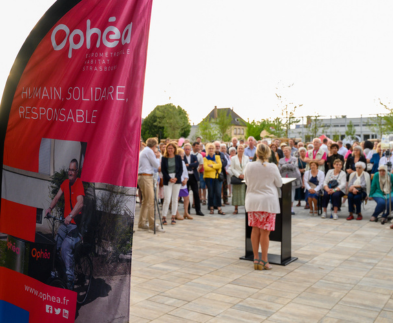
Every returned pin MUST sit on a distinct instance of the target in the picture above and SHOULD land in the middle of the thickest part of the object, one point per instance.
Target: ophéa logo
(111, 36)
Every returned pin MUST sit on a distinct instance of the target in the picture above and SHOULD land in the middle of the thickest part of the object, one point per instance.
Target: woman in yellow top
(212, 165)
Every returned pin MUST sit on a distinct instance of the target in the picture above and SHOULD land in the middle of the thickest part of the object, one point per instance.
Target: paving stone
(192, 273)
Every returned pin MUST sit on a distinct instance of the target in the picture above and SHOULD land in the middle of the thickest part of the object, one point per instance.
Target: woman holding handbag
(238, 165)
(334, 188)
(212, 166)
(313, 181)
(359, 189)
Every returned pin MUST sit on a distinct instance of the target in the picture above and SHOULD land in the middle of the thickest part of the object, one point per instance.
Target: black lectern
(283, 231)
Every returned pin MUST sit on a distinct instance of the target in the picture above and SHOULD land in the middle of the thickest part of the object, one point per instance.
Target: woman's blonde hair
(180, 151)
(263, 152)
(171, 144)
(208, 145)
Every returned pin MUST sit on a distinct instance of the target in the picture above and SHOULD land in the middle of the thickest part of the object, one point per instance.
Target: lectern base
(273, 259)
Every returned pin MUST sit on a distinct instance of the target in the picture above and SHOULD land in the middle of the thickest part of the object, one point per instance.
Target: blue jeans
(213, 192)
(357, 200)
(382, 206)
(335, 198)
(67, 237)
(202, 184)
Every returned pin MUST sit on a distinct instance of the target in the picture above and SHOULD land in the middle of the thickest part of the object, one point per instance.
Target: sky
(337, 55)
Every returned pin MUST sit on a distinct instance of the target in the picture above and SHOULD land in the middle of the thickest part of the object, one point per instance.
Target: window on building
(39, 216)
(235, 131)
(366, 137)
(242, 131)
(342, 137)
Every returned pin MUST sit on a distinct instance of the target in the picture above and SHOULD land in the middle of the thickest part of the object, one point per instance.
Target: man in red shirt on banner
(68, 235)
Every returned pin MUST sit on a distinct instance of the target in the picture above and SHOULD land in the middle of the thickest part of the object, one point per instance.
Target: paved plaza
(192, 272)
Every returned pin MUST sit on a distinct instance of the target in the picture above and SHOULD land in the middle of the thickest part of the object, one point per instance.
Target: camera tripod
(388, 202)
(156, 206)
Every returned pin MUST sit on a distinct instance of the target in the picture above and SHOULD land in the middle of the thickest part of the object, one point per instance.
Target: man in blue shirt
(292, 145)
(251, 149)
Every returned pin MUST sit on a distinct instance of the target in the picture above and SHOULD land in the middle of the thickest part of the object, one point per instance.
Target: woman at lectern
(262, 179)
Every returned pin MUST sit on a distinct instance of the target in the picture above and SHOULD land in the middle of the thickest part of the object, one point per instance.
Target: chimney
(215, 113)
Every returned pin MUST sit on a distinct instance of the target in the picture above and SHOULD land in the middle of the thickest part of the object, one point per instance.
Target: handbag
(236, 181)
(333, 183)
(369, 166)
(161, 182)
(220, 176)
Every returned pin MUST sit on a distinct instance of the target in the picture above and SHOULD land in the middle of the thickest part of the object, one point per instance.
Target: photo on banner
(70, 122)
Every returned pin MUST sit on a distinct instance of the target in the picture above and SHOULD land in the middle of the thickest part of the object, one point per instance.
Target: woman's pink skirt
(262, 220)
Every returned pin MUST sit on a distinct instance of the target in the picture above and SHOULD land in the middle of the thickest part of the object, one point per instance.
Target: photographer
(387, 158)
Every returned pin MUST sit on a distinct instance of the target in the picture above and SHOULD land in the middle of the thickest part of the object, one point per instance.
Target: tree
(287, 109)
(336, 135)
(314, 127)
(377, 125)
(388, 118)
(350, 131)
(277, 128)
(166, 121)
(254, 128)
(223, 122)
(208, 131)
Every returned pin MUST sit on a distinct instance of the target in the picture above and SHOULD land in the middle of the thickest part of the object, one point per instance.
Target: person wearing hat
(359, 189)
(381, 186)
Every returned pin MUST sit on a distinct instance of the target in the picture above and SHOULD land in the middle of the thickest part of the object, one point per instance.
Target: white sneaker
(145, 227)
(323, 216)
(335, 217)
(158, 229)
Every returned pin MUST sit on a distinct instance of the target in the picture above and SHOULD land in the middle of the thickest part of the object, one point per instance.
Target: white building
(336, 126)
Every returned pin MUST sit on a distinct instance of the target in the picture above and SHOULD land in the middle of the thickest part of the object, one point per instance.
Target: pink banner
(71, 147)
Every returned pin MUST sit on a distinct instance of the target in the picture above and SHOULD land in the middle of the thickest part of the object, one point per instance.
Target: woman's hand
(210, 165)
(349, 171)
(173, 180)
(312, 191)
(370, 198)
(241, 176)
(184, 182)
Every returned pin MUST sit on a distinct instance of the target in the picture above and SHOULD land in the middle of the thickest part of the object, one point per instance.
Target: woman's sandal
(164, 222)
(212, 210)
(257, 265)
(384, 220)
(373, 219)
(221, 212)
(173, 221)
(235, 212)
(266, 265)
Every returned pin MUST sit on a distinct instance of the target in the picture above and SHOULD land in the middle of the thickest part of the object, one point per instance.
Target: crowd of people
(250, 172)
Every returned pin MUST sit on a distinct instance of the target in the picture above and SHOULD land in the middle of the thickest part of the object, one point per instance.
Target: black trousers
(192, 184)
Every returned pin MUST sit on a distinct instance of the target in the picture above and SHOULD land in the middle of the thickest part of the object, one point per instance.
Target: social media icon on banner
(49, 309)
(65, 314)
(57, 311)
